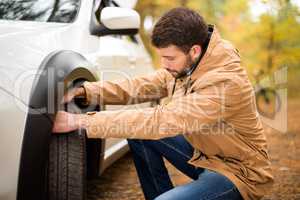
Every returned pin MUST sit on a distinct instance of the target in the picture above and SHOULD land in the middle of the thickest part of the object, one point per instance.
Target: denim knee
(135, 144)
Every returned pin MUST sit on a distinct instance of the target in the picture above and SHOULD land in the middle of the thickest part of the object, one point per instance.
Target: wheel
(268, 102)
(72, 157)
(67, 167)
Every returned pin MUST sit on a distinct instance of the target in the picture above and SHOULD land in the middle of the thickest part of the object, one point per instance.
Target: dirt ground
(120, 181)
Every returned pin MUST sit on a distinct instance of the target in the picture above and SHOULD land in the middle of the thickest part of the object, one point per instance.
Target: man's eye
(171, 59)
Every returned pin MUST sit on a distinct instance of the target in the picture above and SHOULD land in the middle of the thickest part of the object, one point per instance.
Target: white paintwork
(12, 123)
(113, 153)
(116, 18)
(23, 46)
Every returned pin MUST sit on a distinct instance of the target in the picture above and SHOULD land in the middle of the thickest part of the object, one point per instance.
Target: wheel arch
(58, 68)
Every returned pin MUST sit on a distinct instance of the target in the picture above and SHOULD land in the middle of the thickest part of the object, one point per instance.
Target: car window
(64, 11)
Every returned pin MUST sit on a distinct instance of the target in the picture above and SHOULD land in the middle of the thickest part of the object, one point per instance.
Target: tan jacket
(217, 115)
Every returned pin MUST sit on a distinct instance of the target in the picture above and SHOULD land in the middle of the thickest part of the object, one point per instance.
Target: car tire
(67, 167)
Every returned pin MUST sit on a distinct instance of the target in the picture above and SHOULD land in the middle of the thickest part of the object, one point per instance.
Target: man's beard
(188, 64)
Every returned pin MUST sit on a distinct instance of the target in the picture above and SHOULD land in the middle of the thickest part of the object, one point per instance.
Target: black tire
(70, 155)
(67, 167)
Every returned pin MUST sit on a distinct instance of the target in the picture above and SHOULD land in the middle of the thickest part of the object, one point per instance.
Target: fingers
(73, 93)
(58, 122)
(64, 122)
(67, 98)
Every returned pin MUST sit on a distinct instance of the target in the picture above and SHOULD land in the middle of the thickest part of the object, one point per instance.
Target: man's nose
(166, 66)
(168, 69)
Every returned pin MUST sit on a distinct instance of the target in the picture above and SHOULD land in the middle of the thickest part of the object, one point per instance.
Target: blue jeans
(156, 183)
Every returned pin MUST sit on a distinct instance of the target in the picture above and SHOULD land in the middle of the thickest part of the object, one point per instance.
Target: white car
(47, 47)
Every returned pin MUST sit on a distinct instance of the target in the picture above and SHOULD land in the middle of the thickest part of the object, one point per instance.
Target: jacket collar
(204, 64)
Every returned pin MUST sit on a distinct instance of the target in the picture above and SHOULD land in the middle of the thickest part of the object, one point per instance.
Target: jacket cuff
(91, 126)
(88, 88)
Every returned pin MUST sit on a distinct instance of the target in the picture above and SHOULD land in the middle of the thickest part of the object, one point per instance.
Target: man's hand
(66, 122)
(75, 92)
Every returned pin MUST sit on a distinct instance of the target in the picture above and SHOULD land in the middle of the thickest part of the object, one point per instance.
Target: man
(209, 129)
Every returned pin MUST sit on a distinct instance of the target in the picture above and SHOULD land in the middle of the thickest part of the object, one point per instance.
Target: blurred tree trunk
(271, 48)
(146, 8)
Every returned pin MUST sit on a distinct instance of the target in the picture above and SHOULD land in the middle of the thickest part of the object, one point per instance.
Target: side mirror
(116, 20)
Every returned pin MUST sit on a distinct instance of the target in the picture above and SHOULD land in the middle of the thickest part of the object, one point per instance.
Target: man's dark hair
(182, 27)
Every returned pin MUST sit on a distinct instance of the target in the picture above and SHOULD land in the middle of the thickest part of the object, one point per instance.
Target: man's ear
(195, 51)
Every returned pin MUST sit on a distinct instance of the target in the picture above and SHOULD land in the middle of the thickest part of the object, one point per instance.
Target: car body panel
(11, 136)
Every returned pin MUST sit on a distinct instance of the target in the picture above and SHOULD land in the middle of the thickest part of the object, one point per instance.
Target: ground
(120, 181)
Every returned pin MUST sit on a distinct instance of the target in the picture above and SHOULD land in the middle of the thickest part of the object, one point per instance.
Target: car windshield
(64, 11)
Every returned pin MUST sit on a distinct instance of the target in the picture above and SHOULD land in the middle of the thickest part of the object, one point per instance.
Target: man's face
(175, 60)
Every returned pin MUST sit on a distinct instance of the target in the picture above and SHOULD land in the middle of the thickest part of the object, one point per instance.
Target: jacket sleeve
(187, 115)
(129, 91)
